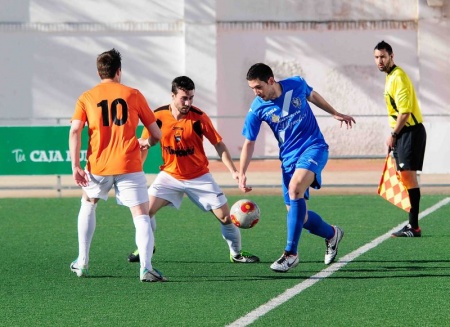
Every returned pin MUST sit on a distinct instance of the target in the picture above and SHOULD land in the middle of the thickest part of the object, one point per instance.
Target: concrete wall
(341, 70)
(49, 49)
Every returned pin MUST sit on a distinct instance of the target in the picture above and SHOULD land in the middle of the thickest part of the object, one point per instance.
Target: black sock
(414, 198)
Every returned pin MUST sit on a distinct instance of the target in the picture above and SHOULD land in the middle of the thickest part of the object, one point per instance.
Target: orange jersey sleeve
(112, 112)
(182, 142)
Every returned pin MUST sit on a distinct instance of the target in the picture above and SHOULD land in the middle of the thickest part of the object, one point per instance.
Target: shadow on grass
(379, 269)
(394, 269)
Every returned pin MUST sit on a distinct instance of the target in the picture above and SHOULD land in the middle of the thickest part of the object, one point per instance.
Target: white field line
(293, 291)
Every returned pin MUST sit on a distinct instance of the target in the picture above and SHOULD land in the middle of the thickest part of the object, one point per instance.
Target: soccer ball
(245, 213)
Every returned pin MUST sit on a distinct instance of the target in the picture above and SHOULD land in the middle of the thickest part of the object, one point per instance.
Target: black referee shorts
(409, 149)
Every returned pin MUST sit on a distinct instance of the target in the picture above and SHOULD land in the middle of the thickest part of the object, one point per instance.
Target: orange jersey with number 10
(182, 142)
(112, 112)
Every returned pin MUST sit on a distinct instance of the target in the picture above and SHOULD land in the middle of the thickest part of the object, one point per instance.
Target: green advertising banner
(44, 150)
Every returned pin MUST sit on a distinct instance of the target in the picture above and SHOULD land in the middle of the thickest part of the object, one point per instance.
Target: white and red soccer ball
(245, 213)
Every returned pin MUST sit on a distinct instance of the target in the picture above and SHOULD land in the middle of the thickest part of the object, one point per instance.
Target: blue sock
(317, 226)
(295, 218)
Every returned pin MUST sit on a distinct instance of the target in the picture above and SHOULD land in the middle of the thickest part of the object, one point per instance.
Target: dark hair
(384, 46)
(259, 71)
(108, 63)
(183, 83)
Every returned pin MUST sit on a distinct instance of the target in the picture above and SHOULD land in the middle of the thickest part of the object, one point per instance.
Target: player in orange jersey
(185, 166)
(112, 112)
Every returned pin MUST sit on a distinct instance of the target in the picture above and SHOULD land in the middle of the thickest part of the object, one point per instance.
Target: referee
(408, 136)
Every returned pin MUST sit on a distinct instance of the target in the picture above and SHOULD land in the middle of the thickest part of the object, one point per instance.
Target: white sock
(153, 223)
(232, 236)
(86, 229)
(144, 240)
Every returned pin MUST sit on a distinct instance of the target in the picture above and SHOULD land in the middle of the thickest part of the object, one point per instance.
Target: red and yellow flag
(391, 187)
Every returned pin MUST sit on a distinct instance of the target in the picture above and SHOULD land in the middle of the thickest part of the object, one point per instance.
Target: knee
(409, 179)
(92, 201)
(294, 193)
(225, 220)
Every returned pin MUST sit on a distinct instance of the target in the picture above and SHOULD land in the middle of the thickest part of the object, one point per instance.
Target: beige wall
(49, 49)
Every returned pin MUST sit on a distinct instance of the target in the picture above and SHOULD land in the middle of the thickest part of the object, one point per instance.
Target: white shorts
(130, 189)
(203, 191)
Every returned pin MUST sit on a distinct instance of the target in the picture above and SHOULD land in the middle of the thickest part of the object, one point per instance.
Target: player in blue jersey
(284, 107)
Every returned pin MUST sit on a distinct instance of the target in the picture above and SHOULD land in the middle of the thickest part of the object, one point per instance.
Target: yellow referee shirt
(401, 97)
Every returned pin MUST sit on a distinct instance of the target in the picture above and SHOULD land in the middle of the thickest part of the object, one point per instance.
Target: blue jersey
(290, 118)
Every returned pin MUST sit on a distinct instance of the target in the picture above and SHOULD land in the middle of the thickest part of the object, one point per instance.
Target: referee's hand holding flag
(391, 187)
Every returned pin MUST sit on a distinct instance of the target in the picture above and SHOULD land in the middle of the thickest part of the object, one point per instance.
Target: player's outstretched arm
(225, 156)
(144, 145)
(246, 156)
(155, 133)
(320, 102)
(78, 174)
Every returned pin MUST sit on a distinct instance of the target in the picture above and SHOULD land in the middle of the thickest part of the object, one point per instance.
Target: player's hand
(348, 120)
(243, 184)
(143, 144)
(390, 142)
(80, 176)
